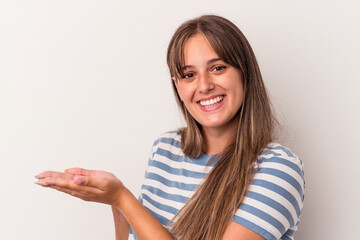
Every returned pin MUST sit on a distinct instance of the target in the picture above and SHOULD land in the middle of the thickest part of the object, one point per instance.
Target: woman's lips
(211, 103)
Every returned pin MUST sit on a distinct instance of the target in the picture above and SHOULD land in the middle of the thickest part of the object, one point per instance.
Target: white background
(85, 83)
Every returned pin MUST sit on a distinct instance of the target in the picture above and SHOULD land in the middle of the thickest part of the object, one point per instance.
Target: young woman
(220, 177)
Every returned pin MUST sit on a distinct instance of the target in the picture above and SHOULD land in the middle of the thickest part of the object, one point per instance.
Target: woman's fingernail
(78, 181)
(41, 183)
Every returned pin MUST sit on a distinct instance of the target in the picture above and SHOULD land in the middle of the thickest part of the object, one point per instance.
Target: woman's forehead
(197, 49)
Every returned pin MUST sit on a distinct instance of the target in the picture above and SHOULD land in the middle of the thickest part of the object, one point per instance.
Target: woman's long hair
(208, 212)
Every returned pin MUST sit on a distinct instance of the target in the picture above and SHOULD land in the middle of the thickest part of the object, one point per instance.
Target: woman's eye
(219, 68)
(188, 75)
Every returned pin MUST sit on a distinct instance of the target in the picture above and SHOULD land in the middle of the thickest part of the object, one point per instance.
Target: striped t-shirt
(272, 205)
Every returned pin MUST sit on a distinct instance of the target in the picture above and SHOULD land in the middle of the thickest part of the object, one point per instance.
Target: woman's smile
(211, 103)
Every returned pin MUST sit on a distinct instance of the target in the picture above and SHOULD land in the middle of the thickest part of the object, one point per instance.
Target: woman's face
(211, 90)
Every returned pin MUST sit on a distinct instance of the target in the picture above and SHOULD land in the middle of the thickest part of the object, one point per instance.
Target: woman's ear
(175, 81)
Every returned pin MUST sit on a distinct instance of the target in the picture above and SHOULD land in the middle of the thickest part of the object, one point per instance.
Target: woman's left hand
(88, 185)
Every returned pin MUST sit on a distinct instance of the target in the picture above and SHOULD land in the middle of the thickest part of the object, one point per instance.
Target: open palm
(89, 185)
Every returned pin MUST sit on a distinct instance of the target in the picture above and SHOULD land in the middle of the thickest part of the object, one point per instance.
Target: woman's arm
(144, 224)
(104, 187)
(122, 226)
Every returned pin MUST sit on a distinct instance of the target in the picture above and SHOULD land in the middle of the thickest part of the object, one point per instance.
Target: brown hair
(207, 213)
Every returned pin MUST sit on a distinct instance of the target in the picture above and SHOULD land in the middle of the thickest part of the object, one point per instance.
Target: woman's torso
(272, 205)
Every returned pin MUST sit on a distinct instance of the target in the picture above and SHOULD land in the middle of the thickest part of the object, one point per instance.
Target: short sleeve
(273, 203)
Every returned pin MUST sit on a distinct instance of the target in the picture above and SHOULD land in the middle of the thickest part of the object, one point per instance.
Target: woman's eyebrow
(208, 63)
(214, 60)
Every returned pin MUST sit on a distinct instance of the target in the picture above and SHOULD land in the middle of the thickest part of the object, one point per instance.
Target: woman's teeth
(211, 102)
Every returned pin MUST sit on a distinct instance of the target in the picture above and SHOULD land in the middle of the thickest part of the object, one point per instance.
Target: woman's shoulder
(171, 137)
(278, 164)
(174, 134)
(273, 203)
(168, 142)
(275, 152)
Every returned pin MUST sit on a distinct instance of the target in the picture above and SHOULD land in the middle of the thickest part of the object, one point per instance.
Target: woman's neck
(216, 139)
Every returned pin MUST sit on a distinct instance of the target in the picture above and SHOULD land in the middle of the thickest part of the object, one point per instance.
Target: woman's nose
(205, 83)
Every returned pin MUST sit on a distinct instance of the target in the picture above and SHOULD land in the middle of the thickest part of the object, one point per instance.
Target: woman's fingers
(89, 185)
(93, 173)
(60, 181)
(78, 171)
(71, 181)
(49, 177)
(94, 182)
(52, 174)
(75, 187)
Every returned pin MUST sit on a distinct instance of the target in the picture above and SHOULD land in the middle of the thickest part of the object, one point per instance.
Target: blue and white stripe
(272, 206)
